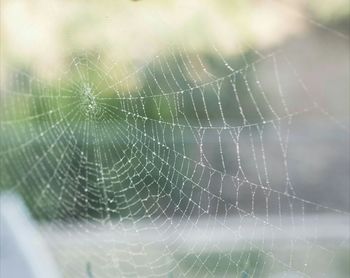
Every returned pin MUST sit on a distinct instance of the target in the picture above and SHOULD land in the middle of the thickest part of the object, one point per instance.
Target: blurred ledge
(23, 250)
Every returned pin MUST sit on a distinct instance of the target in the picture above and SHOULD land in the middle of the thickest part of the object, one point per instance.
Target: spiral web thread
(183, 189)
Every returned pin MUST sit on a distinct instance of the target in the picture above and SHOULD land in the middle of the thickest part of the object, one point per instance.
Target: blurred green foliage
(68, 162)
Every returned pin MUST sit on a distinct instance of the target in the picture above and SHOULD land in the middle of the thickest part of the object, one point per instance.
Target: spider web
(177, 168)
